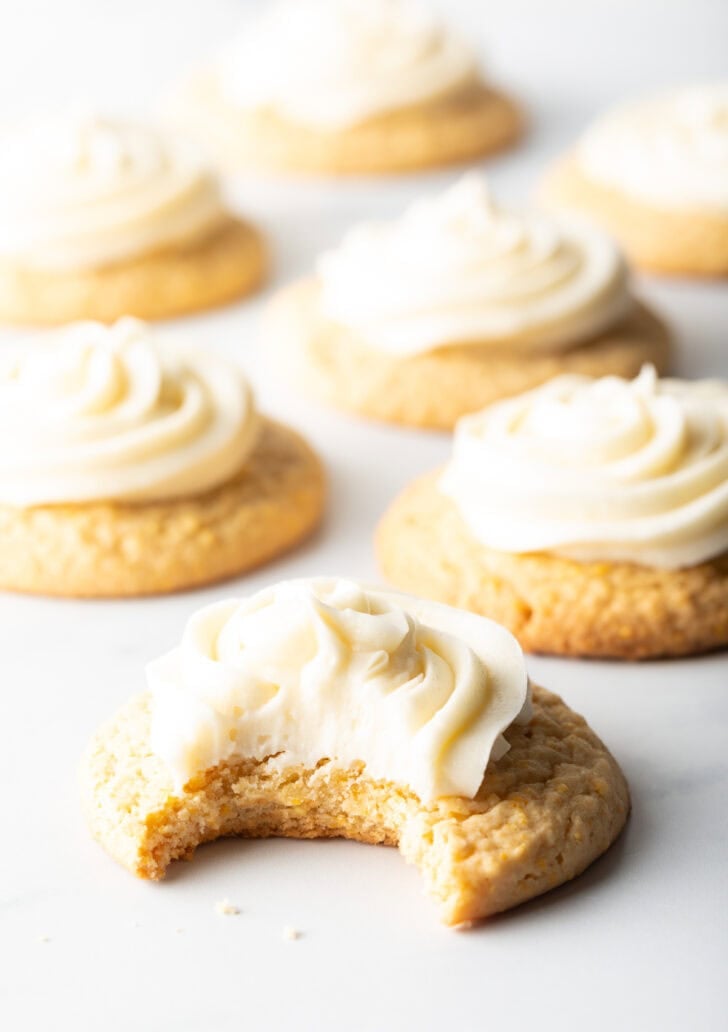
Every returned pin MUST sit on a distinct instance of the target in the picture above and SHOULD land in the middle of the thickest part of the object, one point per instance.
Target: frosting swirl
(91, 412)
(671, 151)
(330, 64)
(456, 269)
(82, 192)
(606, 469)
(326, 669)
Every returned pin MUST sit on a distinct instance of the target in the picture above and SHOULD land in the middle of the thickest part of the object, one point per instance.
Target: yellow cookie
(132, 463)
(100, 549)
(680, 242)
(553, 605)
(544, 811)
(654, 173)
(104, 218)
(457, 303)
(435, 388)
(222, 267)
(469, 123)
(317, 86)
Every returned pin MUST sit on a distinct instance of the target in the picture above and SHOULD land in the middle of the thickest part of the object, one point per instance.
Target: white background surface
(639, 942)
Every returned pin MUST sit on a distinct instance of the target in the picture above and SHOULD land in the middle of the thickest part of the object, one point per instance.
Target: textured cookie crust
(552, 605)
(667, 241)
(433, 390)
(544, 812)
(113, 549)
(226, 265)
(475, 121)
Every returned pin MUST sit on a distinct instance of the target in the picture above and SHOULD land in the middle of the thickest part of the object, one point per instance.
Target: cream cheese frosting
(605, 469)
(307, 670)
(331, 64)
(458, 269)
(670, 151)
(81, 192)
(91, 412)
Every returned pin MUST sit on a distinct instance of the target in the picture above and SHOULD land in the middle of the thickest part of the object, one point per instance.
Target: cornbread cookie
(589, 516)
(343, 87)
(552, 604)
(544, 811)
(433, 389)
(676, 241)
(132, 462)
(228, 264)
(459, 127)
(655, 174)
(103, 218)
(457, 303)
(101, 549)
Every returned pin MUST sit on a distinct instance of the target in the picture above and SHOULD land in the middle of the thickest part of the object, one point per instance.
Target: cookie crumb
(290, 933)
(225, 907)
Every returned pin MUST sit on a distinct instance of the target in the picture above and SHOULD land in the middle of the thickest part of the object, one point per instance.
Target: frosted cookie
(318, 709)
(655, 174)
(589, 517)
(341, 86)
(133, 464)
(101, 218)
(459, 303)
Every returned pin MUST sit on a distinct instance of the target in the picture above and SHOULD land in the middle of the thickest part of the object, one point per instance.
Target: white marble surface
(639, 942)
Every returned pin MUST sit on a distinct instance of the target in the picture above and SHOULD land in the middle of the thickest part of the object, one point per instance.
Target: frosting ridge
(669, 151)
(457, 269)
(83, 191)
(326, 669)
(330, 64)
(90, 413)
(605, 469)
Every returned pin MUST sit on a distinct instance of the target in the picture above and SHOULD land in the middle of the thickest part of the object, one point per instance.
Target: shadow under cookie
(110, 549)
(470, 123)
(551, 604)
(227, 264)
(544, 812)
(434, 389)
(680, 242)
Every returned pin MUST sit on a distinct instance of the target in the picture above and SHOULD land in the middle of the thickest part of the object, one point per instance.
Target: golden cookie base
(433, 390)
(545, 811)
(225, 266)
(114, 549)
(470, 123)
(552, 605)
(674, 242)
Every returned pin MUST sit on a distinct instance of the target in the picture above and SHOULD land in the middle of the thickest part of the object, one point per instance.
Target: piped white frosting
(90, 412)
(458, 269)
(325, 669)
(606, 469)
(670, 152)
(81, 192)
(331, 64)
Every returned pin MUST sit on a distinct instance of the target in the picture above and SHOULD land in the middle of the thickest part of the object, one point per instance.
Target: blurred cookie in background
(342, 86)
